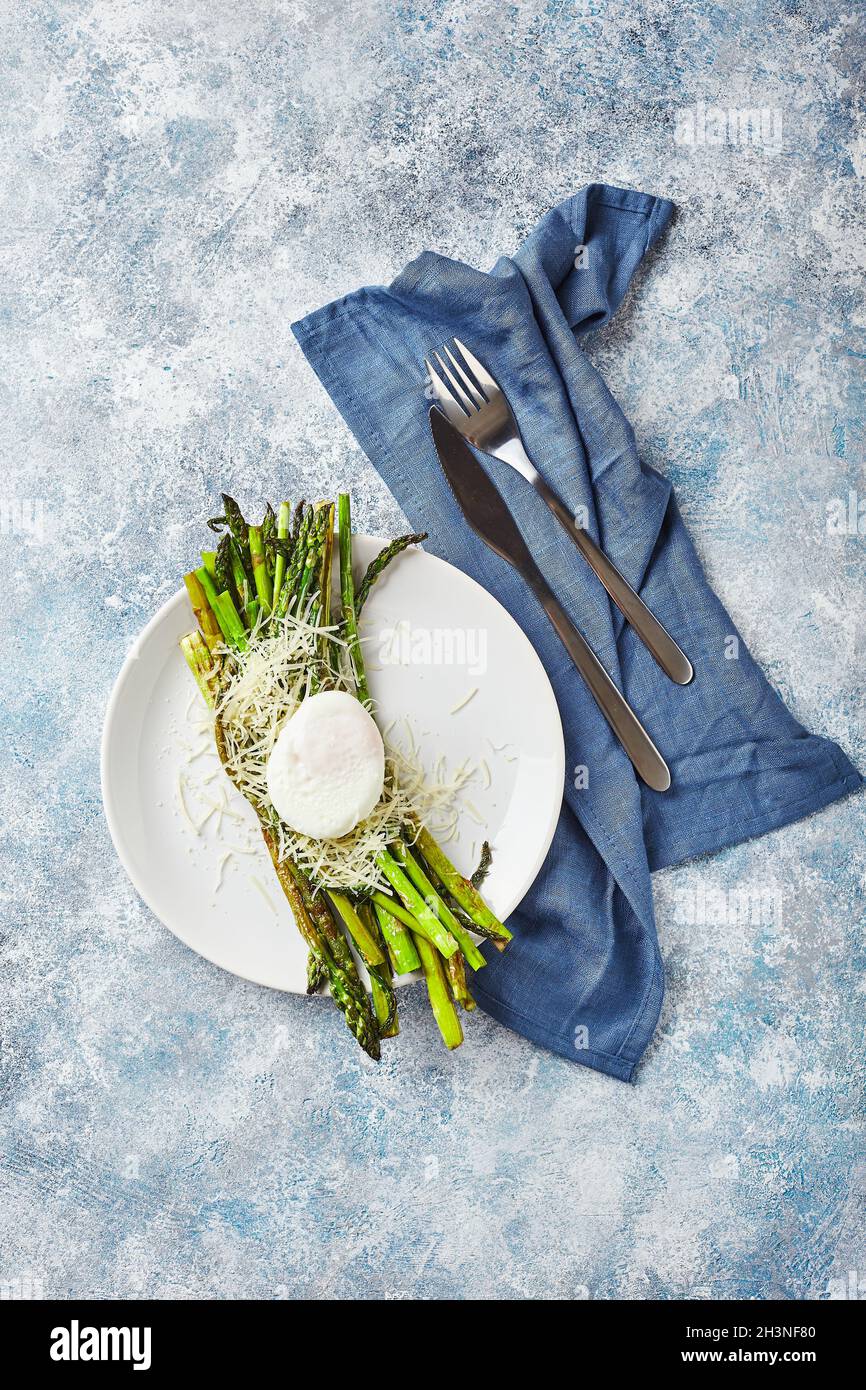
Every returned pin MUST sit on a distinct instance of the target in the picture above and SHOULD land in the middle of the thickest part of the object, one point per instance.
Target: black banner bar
(139, 1338)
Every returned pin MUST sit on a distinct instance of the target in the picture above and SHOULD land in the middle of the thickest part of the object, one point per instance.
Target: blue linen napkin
(583, 975)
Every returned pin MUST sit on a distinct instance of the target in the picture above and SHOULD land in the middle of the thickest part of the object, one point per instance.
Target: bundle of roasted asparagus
(266, 641)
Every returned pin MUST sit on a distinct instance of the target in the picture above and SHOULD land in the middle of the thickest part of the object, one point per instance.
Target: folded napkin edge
(619, 1067)
(776, 818)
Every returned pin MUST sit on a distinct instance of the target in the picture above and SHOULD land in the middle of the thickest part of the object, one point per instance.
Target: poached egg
(326, 770)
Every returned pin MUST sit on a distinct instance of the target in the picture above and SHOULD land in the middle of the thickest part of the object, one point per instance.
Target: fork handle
(655, 638)
(645, 757)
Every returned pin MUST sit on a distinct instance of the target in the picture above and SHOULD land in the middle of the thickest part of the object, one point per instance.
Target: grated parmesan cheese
(461, 704)
(264, 685)
(264, 892)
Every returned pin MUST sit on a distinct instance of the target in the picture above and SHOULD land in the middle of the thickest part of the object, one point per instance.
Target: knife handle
(658, 641)
(645, 757)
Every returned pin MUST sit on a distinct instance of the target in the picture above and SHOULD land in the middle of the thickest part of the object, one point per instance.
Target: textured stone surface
(181, 182)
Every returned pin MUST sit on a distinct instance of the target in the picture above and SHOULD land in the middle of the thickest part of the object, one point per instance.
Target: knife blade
(486, 511)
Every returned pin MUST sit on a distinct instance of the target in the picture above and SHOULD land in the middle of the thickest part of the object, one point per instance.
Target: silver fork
(477, 407)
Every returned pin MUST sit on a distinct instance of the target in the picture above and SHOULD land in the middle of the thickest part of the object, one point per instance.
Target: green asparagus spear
(455, 969)
(405, 857)
(382, 560)
(324, 920)
(426, 921)
(304, 518)
(239, 533)
(202, 664)
(312, 559)
(243, 585)
(384, 999)
(208, 584)
(264, 588)
(396, 909)
(467, 896)
(205, 615)
(401, 948)
(230, 621)
(440, 995)
(223, 609)
(483, 867)
(283, 523)
(381, 979)
(489, 933)
(316, 973)
(224, 571)
(324, 611)
(349, 996)
(269, 531)
(347, 595)
(363, 938)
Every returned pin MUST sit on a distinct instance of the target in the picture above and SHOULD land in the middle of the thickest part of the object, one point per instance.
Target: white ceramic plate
(161, 776)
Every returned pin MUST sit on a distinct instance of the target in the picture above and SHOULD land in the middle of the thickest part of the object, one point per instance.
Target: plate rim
(114, 820)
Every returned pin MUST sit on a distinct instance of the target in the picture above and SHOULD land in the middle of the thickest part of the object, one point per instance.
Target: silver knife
(484, 508)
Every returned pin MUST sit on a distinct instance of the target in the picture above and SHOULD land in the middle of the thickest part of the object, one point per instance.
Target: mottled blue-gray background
(180, 181)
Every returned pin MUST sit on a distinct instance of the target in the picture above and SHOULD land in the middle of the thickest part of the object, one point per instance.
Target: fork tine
(484, 379)
(444, 398)
(478, 397)
(468, 405)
